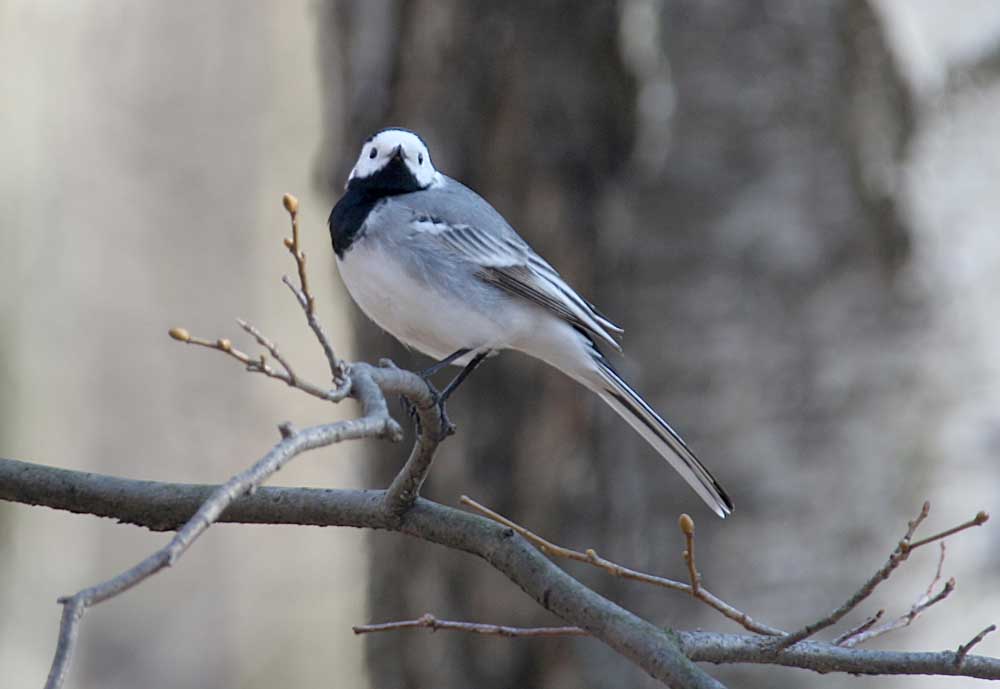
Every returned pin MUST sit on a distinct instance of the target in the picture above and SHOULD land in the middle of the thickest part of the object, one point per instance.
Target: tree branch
(428, 621)
(824, 657)
(166, 506)
(405, 487)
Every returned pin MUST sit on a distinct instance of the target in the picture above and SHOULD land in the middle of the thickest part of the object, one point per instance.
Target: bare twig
(863, 627)
(963, 651)
(942, 551)
(545, 546)
(980, 519)
(260, 365)
(904, 620)
(914, 524)
(428, 621)
(592, 558)
(270, 347)
(305, 298)
(295, 247)
(687, 528)
(926, 600)
(896, 558)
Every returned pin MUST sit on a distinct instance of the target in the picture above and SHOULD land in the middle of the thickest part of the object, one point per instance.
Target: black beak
(398, 153)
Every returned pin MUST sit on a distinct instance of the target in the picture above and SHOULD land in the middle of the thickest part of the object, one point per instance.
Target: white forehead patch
(378, 151)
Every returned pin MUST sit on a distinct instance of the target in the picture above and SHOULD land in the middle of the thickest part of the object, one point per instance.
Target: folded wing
(505, 260)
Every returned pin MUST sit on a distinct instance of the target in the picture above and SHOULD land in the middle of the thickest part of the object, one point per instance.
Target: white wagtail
(435, 265)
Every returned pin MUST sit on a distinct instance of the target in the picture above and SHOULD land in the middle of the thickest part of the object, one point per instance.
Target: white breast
(417, 314)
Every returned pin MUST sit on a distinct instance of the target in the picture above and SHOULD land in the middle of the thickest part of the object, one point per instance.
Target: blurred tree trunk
(690, 168)
(764, 293)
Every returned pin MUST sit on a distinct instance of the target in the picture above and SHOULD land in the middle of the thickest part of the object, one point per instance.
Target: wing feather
(508, 262)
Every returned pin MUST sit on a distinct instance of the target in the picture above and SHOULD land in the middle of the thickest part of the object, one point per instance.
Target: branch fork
(899, 555)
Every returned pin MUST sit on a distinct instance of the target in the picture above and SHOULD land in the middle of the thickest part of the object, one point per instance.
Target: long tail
(658, 433)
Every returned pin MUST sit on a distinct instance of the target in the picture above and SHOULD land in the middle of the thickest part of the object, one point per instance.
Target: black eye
(420, 159)
(374, 152)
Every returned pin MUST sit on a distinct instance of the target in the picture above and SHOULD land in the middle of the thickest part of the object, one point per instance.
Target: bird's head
(393, 161)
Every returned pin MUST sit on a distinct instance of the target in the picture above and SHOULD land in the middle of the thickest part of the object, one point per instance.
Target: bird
(432, 263)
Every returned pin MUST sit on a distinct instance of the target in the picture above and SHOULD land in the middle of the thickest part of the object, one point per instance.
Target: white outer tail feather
(658, 433)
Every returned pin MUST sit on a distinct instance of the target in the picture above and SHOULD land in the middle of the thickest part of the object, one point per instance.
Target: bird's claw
(447, 428)
(409, 408)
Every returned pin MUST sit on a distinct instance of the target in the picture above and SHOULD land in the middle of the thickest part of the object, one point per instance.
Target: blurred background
(790, 206)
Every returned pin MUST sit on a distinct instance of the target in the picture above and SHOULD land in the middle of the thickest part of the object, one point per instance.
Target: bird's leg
(447, 361)
(410, 409)
(447, 427)
(457, 380)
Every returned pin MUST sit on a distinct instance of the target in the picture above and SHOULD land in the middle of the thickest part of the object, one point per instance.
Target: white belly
(417, 314)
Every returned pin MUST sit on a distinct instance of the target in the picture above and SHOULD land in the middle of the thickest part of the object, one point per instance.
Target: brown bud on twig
(291, 203)
(288, 243)
(982, 517)
(180, 334)
(686, 524)
(225, 345)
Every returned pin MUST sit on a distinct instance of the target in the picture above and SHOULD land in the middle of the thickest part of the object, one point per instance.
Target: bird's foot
(447, 427)
(410, 409)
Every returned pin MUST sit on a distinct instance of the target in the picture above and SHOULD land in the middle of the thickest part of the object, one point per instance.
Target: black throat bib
(362, 196)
